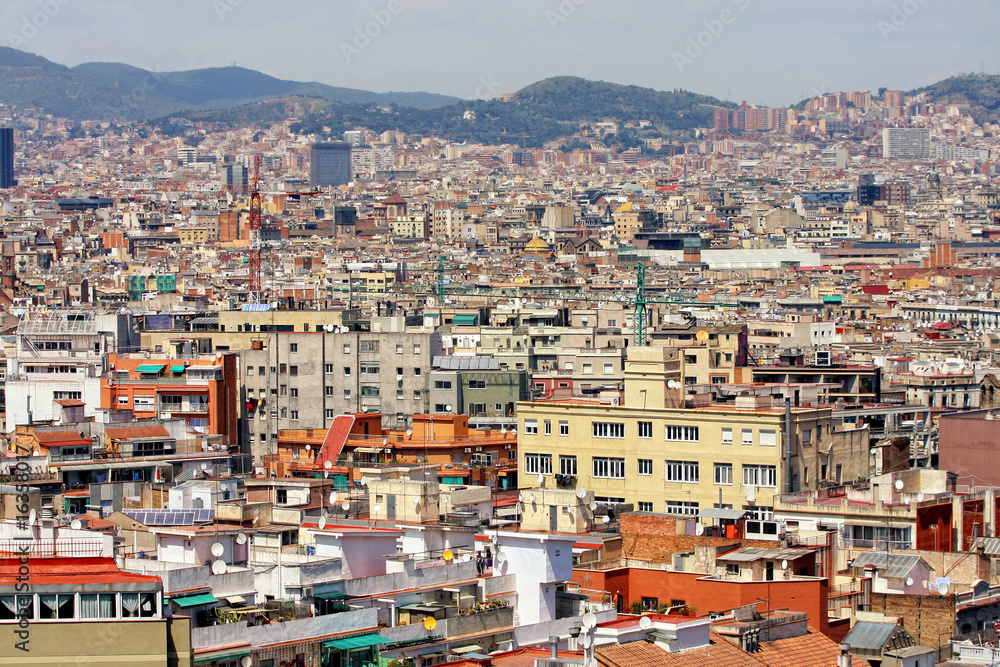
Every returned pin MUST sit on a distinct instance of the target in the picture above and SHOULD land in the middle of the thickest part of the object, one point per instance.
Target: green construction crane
(640, 315)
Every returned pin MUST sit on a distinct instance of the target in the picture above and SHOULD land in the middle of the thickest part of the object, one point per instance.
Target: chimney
(844, 659)
(554, 641)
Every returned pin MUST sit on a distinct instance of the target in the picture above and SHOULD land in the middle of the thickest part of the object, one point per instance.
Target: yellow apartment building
(666, 452)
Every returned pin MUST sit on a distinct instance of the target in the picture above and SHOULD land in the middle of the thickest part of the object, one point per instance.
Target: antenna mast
(255, 208)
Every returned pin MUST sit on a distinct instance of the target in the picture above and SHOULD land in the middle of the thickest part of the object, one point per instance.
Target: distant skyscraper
(6, 157)
(236, 177)
(906, 142)
(329, 164)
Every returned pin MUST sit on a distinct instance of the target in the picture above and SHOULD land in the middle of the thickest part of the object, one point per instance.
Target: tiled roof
(719, 653)
(813, 648)
(70, 572)
(138, 432)
(59, 437)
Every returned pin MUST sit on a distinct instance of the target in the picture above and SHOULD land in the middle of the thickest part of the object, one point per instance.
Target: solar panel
(187, 517)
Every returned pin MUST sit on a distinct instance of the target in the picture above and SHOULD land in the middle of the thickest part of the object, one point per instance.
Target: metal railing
(52, 548)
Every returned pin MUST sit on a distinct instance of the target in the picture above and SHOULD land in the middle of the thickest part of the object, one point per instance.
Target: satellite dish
(466, 558)
(377, 508)
(333, 498)
(246, 661)
(322, 522)
(327, 464)
(586, 640)
(513, 431)
(204, 466)
(218, 550)
(581, 492)
(500, 557)
(76, 524)
(670, 384)
(346, 506)
(909, 581)
(447, 408)
(219, 567)
(593, 505)
(31, 517)
(448, 555)
(589, 620)
(699, 529)
(165, 415)
(920, 497)
(531, 499)
(503, 430)
(645, 623)
(364, 480)
(308, 447)
(541, 478)
(872, 451)
(784, 564)
(241, 539)
(416, 501)
(942, 588)
(606, 519)
(898, 485)
(409, 432)
(430, 623)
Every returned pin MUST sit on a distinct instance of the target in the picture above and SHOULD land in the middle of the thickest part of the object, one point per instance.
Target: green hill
(981, 92)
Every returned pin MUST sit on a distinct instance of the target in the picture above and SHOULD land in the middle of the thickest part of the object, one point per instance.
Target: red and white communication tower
(255, 294)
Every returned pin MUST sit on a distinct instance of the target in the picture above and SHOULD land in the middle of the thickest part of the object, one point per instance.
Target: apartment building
(304, 380)
(656, 449)
(477, 387)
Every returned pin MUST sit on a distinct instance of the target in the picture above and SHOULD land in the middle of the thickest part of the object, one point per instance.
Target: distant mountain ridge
(114, 91)
(981, 92)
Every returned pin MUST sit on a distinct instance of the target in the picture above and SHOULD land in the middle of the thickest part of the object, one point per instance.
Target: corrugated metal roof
(892, 566)
(750, 554)
(869, 636)
(466, 363)
(990, 545)
(716, 513)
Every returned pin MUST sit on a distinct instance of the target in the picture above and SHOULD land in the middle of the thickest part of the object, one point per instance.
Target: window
(645, 507)
(58, 606)
(531, 427)
(368, 346)
(330, 414)
(293, 347)
(399, 371)
(347, 393)
(681, 507)
(328, 368)
(747, 438)
(609, 369)
(281, 496)
(294, 392)
(417, 393)
(588, 369)
(768, 438)
(138, 605)
(442, 384)
(538, 464)
(645, 429)
(416, 349)
(399, 348)
(98, 605)
(727, 436)
(732, 568)
(724, 473)
(328, 391)
(347, 371)
(760, 475)
(548, 426)
(682, 433)
(294, 415)
(347, 348)
(282, 368)
(416, 371)
(567, 465)
(568, 365)
(806, 436)
(284, 413)
(123, 400)
(608, 430)
(250, 370)
(369, 368)
(681, 471)
(369, 390)
(284, 389)
(612, 324)
(261, 370)
(563, 427)
(645, 466)
(609, 468)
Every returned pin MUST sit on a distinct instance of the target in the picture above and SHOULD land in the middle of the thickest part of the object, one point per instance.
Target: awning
(464, 320)
(221, 655)
(331, 595)
(360, 641)
(150, 368)
(192, 600)
(471, 648)
(716, 513)
(178, 369)
(235, 599)
(425, 608)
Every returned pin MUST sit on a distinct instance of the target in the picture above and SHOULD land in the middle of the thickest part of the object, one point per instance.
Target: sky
(762, 51)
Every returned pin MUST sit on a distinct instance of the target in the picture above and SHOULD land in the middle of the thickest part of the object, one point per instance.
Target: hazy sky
(762, 51)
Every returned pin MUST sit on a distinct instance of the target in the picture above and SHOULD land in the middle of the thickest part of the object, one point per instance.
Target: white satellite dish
(589, 620)
(699, 529)
(376, 508)
(333, 498)
(466, 558)
(219, 567)
(909, 581)
(327, 464)
(409, 432)
(531, 499)
(246, 661)
(447, 408)
(645, 623)
(346, 506)
(364, 480)
(593, 505)
(31, 517)
(541, 478)
(920, 497)
(606, 519)
(513, 431)
(784, 564)
(898, 485)
(218, 550)
(500, 557)
(503, 430)
(165, 415)
(942, 588)
(586, 640)
(581, 492)
(322, 522)
(416, 501)
(204, 466)
(241, 539)
(76, 524)
(308, 447)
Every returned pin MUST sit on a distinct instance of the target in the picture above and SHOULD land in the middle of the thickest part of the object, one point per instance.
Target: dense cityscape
(580, 374)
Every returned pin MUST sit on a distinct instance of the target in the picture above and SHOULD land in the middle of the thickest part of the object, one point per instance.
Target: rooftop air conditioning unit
(307, 591)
